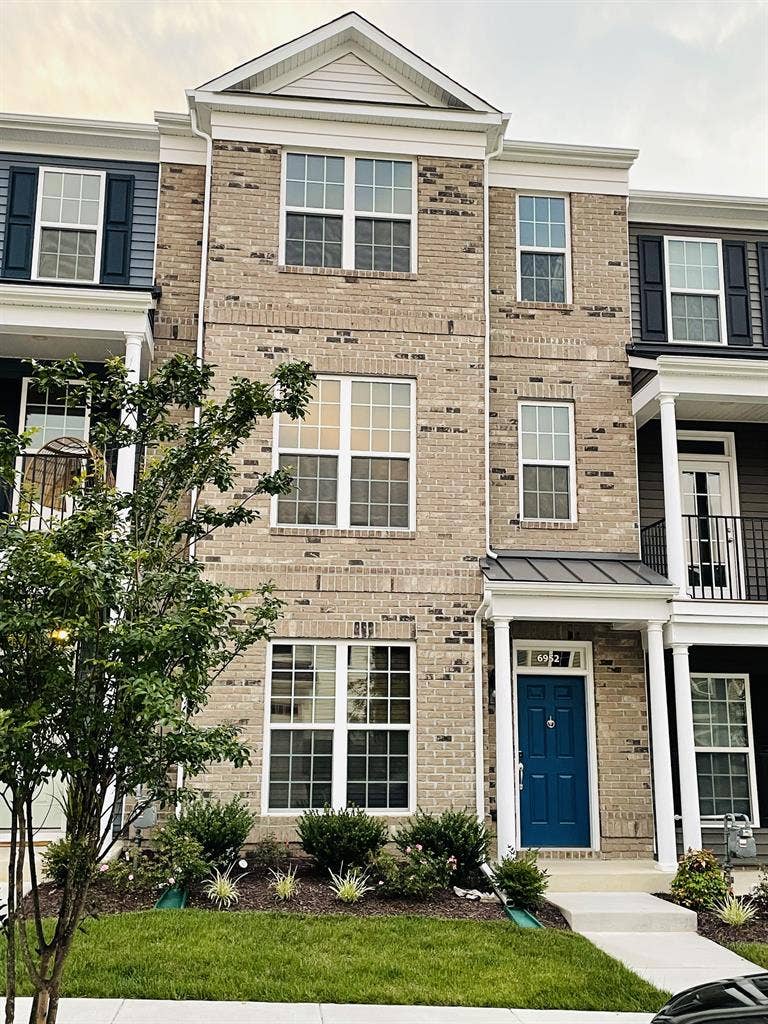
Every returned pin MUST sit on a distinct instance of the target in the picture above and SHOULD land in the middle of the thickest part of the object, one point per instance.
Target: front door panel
(552, 739)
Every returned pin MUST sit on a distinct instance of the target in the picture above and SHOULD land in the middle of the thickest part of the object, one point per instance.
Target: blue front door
(552, 739)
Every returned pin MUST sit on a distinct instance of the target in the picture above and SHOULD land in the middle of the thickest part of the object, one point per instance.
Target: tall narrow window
(695, 289)
(547, 461)
(314, 185)
(340, 725)
(69, 225)
(542, 248)
(351, 456)
(724, 748)
(383, 191)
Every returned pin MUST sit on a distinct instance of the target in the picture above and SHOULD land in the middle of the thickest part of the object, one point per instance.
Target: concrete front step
(605, 875)
(621, 912)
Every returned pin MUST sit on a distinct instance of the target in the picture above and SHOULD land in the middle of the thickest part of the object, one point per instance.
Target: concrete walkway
(150, 1011)
(656, 939)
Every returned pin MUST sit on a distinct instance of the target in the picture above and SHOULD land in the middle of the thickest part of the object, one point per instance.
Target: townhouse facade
(524, 560)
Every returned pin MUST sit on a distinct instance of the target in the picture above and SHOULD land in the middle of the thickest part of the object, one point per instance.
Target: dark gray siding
(144, 203)
(659, 229)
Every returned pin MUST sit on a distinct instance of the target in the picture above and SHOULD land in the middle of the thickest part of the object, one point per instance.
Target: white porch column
(506, 780)
(661, 754)
(673, 508)
(686, 750)
(126, 457)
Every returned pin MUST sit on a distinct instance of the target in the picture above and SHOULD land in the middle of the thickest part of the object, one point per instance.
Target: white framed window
(547, 462)
(543, 248)
(351, 457)
(53, 412)
(340, 726)
(725, 749)
(350, 212)
(68, 227)
(695, 290)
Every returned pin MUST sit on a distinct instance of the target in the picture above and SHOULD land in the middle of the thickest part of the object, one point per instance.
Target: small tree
(111, 635)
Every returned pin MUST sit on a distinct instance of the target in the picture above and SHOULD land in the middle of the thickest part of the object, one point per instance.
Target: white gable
(348, 78)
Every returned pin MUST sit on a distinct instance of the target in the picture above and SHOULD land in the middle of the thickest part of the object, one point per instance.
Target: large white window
(546, 461)
(695, 290)
(340, 726)
(725, 758)
(351, 457)
(355, 213)
(68, 229)
(543, 249)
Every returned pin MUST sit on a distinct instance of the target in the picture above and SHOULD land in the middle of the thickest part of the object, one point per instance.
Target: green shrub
(59, 858)
(267, 855)
(700, 881)
(132, 871)
(458, 834)
(180, 857)
(416, 875)
(759, 893)
(521, 880)
(220, 828)
(336, 839)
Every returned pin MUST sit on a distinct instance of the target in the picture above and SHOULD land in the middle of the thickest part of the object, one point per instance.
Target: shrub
(521, 880)
(220, 828)
(458, 834)
(130, 872)
(700, 881)
(180, 856)
(268, 854)
(350, 887)
(284, 884)
(759, 893)
(335, 838)
(59, 859)
(417, 875)
(735, 910)
(221, 888)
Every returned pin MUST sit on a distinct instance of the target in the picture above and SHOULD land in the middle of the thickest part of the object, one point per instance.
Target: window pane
(303, 683)
(379, 493)
(301, 764)
(314, 181)
(382, 245)
(695, 318)
(541, 222)
(312, 241)
(70, 198)
(694, 265)
(67, 255)
(378, 684)
(55, 413)
(381, 417)
(542, 277)
(384, 186)
(320, 426)
(546, 492)
(312, 499)
(377, 769)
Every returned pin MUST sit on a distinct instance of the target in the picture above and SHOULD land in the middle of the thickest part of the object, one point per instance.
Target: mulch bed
(711, 927)
(314, 897)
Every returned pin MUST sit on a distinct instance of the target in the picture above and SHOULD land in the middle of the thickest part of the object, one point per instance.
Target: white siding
(348, 78)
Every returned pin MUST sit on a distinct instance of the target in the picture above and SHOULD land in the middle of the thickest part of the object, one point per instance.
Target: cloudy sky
(685, 82)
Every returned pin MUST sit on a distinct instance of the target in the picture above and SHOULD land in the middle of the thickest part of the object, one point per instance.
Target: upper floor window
(351, 456)
(543, 271)
(68, 232)
(348, 212)
(547, 461)
(695, 289)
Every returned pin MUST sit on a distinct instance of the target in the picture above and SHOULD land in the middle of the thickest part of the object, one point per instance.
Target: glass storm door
(710, 531)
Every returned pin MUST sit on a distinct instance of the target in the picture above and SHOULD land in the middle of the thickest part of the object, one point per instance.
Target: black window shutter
(739, 322)
(653, 301)
(762, 258)
(20, 223)
(118, 217)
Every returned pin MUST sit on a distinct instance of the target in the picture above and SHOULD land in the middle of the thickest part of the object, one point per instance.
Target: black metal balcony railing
(40, 495)
(726, 556)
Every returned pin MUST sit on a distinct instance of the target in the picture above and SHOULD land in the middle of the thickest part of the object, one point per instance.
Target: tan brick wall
(573, 352)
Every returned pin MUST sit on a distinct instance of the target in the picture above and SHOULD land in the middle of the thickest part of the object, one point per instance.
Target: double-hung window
(69, 225)
(722, 731)
(543, 270)
(547, 461)
(340, 726)
(695, 289)
(351, 457)
(355, 213)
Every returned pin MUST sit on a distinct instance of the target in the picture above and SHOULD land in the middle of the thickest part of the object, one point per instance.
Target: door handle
(520, 774)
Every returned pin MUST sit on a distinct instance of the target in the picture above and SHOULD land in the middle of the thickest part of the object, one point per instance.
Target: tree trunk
(10, 934)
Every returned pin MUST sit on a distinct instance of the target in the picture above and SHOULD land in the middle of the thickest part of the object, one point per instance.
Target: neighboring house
(469, 618)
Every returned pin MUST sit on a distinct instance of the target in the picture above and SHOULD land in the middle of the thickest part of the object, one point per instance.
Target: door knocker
(551, 722)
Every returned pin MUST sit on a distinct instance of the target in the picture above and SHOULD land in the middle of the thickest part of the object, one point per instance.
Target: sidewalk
(150, 1011)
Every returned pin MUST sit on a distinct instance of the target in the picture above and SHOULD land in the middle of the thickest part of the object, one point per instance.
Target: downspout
(200, 341)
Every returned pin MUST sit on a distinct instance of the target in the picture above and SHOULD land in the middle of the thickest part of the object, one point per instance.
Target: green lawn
(757, 952)
(198, 954)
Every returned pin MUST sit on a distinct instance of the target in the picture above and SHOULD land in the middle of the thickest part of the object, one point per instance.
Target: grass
(189, 954)
(757, 952)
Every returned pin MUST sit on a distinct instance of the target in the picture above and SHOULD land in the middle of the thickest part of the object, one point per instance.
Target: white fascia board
(516, 151)
(33, 309)
(747, 213)
(178, 143)
(692, 377)
(718, 623)
(580, 602)
(550, 177)
(64, 136)
(349, 27)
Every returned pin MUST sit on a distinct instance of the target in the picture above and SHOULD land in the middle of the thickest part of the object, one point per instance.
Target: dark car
(719, 1002)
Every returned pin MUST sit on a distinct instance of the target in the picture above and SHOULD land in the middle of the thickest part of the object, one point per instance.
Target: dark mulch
(314, 897)
(711, 927)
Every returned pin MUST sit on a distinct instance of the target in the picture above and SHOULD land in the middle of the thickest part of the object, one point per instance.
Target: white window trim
(749, 750)
(718, 293)
(344, 456)
(339, 727)
(98, 228)
(570, 463)
(547, 250)
(349, 214)
(25, 385)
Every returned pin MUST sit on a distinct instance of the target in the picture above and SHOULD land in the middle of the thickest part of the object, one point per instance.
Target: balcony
(41, 494)
(726, 556)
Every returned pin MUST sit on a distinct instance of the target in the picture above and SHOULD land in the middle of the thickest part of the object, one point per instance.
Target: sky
(684, 82)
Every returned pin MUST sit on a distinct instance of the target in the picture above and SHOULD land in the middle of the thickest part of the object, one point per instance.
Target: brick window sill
(311, 533)
(564, 306)
(546, 525)
(349, 275)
